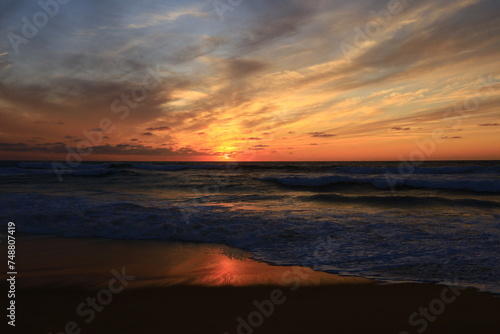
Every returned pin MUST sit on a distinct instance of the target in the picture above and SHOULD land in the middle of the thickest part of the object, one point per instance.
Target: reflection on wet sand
(88, 262)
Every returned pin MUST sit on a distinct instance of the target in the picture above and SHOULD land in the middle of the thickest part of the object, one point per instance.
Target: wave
(114, 165)
(157, 167)
(15, 171)
(304, 167)
(388, 182)
(175, 167)
(405, 170)
(243, 166)
(400, 201)
(390, 245)
(90, 172)
(49, 165)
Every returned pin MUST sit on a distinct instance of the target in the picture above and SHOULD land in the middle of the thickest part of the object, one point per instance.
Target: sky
(250, 80)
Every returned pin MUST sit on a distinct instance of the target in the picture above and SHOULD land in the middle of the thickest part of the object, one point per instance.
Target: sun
(226, 156)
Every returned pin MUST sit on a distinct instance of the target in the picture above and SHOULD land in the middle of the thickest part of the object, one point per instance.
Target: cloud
(270, 67)
(126, 149)
(241, 68)
(44, 147)
(321, 135)
(158, 128)
(119, 149)
(161, 18)
(272, 22)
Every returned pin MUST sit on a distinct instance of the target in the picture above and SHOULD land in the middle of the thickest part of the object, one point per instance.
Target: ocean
(390, 221)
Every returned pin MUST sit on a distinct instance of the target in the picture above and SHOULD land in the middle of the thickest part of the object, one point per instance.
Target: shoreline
(82, 285)
(88, 262)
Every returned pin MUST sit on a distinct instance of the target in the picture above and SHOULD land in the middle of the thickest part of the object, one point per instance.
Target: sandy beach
(86, 285)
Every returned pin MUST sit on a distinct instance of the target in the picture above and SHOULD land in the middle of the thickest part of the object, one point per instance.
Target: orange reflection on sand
(86, 262)
(218, 267)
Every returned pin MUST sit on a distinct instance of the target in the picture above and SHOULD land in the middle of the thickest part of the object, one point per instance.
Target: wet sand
(108, 286)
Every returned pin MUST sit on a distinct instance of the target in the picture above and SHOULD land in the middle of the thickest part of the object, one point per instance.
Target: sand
(106, 286)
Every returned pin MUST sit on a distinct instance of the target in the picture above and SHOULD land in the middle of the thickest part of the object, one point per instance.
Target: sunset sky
(250, 80)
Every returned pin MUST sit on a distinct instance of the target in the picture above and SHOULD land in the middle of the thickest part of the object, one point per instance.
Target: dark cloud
(158, 128)
(241, 68)
(321, 135)
(146, 134)
(39, 100)
(38, 148)
(489, 124)
(126, 149)
(275, 20)
(120, 149)
(397, 128)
